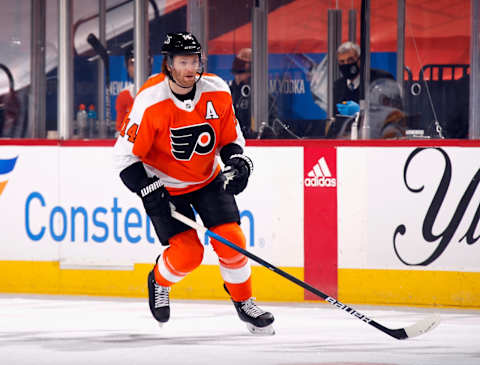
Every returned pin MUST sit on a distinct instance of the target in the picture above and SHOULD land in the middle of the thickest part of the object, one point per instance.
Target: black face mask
(349, 70)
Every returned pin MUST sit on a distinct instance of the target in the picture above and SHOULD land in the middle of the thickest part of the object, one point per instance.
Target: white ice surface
(86, 330)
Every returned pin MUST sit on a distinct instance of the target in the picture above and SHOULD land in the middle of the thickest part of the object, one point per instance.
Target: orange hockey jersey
(178, 141)
(123, 103)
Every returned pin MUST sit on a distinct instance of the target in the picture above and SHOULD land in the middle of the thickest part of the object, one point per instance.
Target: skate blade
(261, 331)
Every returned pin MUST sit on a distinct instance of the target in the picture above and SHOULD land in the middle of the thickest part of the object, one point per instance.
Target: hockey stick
(102, 52)
(414, 330)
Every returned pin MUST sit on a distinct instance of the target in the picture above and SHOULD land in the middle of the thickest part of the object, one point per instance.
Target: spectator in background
(10, 107)
(346, 90)
(240, 89)
(124, 99)
(241, 95)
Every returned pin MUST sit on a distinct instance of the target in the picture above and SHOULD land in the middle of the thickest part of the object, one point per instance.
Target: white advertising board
(67, 204)
(35, 172)
(409, 208)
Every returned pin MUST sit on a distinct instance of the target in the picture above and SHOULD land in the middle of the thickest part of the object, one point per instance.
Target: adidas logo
(320, 175)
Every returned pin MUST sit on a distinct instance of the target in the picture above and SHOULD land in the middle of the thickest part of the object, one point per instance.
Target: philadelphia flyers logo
(186, 141)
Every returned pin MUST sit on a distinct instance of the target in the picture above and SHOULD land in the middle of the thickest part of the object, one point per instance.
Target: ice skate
(259, 322)
(158, 299)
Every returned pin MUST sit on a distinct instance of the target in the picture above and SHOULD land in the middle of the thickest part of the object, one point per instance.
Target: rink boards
(369, 222)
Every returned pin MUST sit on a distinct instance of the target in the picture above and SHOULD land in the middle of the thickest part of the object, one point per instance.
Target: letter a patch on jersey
(186, 141)
(211, 112)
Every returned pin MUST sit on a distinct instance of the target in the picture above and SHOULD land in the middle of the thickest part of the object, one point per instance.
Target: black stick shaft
(102, 52)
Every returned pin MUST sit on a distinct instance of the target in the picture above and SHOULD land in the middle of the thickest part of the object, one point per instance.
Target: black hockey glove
(155, 197)
(236, 173)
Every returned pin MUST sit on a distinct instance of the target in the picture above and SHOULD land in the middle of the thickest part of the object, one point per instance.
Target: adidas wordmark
(320, 175)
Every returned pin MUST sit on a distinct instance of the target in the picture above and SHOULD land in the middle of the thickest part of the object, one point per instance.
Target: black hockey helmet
(181, 43)
(128, 54)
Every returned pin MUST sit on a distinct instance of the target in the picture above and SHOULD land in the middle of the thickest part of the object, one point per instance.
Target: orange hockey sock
(184, 254)
(234, 266)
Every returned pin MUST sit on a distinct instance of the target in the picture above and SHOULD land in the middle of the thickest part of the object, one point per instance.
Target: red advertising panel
(320, 197)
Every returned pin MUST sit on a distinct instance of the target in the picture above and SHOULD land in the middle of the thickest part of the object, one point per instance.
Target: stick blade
(423, 326)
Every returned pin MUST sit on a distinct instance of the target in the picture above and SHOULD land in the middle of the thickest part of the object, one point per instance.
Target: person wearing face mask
(346, 89)
(240, 88)
(180, 126)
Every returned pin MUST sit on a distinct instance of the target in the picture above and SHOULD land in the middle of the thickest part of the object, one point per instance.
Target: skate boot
(158, 299)
(257, 320)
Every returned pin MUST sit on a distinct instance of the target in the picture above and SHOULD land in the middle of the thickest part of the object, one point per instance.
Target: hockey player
(167, 151)
(124, 100)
